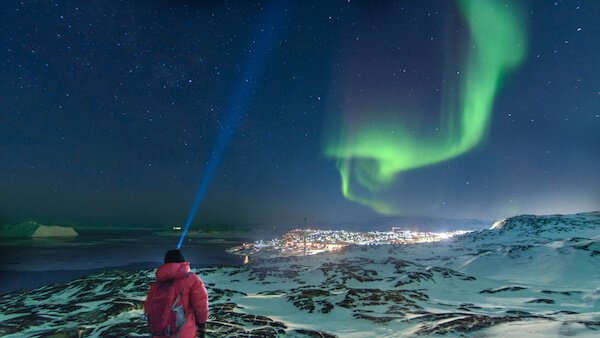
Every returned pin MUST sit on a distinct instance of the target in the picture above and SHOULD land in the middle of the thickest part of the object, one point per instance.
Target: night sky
(110, 110)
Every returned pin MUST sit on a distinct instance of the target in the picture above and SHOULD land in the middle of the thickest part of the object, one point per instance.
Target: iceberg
(36, 230)
(54, 231)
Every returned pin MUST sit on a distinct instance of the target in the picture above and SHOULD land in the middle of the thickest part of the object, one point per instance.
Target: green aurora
(373, 154)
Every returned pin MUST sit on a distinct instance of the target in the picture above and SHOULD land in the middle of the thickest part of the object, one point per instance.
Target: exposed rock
(542, 300)
(312, 334)
(503, 289)
(464, 324)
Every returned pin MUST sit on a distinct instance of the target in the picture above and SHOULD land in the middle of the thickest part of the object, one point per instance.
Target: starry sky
(110, 110)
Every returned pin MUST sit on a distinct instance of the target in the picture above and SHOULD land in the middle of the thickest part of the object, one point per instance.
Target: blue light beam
(266, 34)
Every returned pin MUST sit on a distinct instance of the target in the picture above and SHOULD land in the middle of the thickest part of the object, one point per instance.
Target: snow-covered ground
(529, 276)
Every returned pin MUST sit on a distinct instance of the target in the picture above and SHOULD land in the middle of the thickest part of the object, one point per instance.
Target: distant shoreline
(27, 264)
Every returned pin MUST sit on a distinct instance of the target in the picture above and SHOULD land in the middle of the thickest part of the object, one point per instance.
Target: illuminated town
(298, 242)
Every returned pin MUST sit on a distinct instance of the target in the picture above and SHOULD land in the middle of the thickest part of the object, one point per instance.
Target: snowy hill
(530, 276)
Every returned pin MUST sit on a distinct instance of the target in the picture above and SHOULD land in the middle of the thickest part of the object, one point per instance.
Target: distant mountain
(410, 223)
(530, 276)
(217, 231)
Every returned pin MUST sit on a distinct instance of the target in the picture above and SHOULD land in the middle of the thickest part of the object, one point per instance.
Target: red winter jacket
(194, 300)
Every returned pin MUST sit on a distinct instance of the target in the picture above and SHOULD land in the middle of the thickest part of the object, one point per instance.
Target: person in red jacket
(194, 296)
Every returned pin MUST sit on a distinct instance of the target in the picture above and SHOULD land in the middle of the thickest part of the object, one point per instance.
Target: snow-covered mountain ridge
(532, 276)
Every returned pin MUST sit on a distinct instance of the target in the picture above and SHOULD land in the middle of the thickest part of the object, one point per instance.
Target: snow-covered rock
(533, 276)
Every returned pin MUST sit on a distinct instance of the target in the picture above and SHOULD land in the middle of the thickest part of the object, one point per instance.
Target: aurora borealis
(374, 152)
(475, 109)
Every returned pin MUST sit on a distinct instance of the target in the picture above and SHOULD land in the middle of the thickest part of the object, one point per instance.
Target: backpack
(165, 312)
